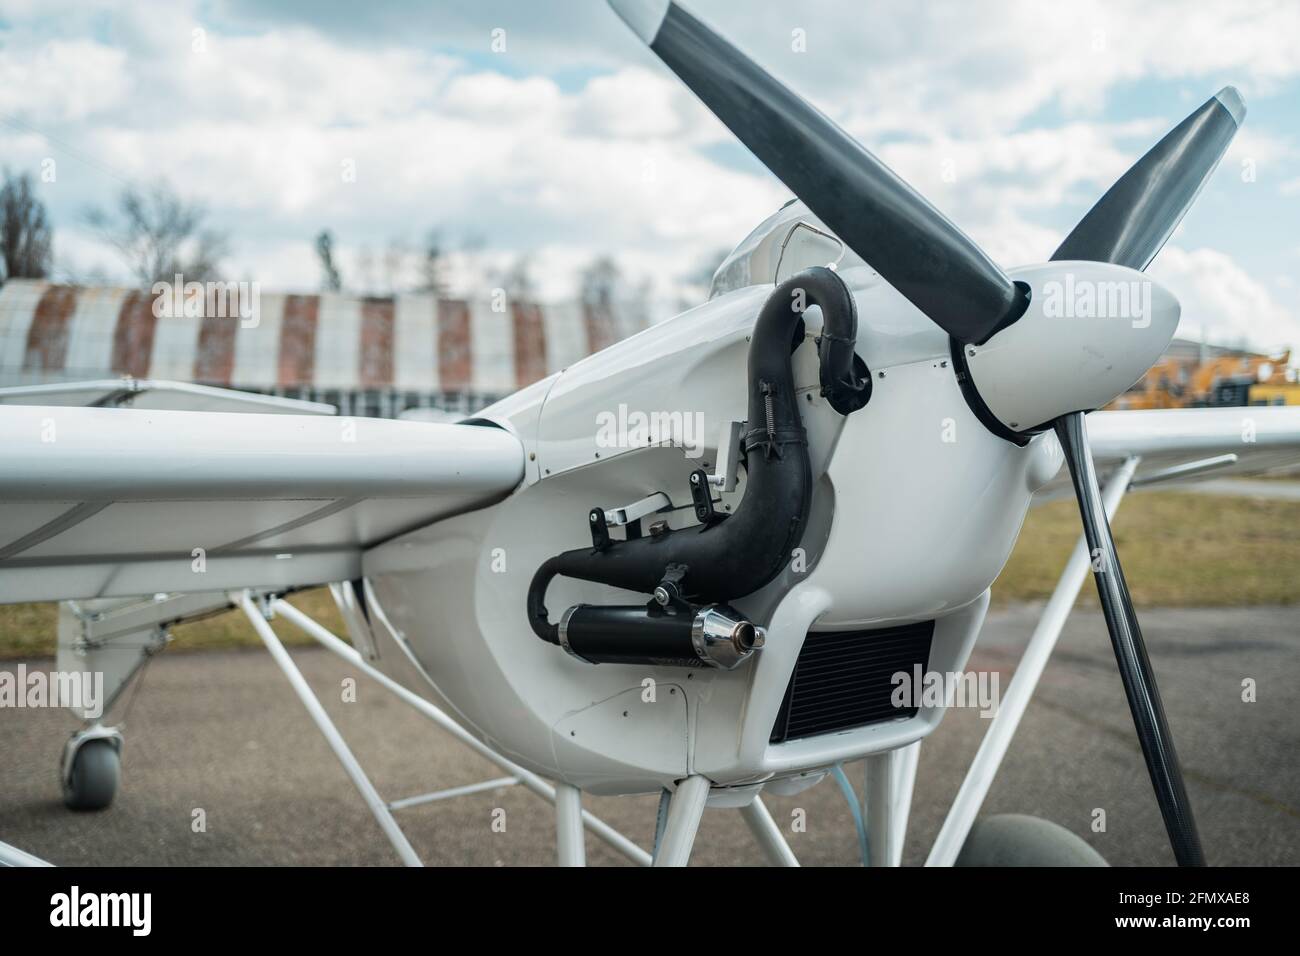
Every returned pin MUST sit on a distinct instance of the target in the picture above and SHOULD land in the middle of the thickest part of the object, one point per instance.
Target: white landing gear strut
(382, 811)
(768, 835)
(685, 807)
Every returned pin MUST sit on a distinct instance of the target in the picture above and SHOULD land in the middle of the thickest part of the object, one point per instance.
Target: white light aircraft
(581, 588)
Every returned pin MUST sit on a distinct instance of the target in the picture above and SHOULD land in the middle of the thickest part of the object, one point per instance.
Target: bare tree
(600, 282)
(396, 256)
(331, 281)
(158, 234)
(638, 312)
(471, 271)
(433, 265)
(25, 237)
(365, 270)
(517, 279)
(599, 287)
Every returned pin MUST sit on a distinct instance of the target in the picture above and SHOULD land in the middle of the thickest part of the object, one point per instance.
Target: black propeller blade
(892, 227)
(1130, 224)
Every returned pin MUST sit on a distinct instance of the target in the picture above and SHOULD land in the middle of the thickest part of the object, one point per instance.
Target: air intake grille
(842, 679)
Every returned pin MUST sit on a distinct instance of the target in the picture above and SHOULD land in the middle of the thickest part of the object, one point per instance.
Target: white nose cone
(1091, 330)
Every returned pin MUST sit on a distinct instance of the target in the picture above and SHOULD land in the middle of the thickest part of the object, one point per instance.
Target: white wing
(104, 502)
(145, 393)
(1260, 439)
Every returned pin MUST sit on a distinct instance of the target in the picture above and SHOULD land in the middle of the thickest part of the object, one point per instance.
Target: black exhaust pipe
(736, 554)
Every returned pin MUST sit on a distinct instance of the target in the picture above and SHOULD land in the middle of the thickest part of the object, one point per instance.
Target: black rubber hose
(537, 613)
(740, 554)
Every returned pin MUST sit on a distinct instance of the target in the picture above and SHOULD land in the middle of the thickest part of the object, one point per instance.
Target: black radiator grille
(842, 679)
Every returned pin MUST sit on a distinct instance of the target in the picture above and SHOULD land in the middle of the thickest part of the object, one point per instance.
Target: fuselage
(916, 506)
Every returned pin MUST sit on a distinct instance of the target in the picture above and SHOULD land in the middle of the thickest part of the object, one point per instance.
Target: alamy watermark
(211, 300)
(81, 690)
(1091, 299)
(922, 688)
(636, 429)
(133, 911)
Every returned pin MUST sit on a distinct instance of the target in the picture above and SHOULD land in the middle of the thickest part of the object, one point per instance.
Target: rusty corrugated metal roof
(51, 332)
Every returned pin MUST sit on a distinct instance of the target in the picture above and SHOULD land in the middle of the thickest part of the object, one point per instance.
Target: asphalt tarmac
(220, 732)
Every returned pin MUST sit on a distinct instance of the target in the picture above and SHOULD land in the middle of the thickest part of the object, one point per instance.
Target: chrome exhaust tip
(722, 638)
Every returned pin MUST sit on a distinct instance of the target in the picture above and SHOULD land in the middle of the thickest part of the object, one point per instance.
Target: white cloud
(578, 142)
(61, 80)
(961, 67)
(517, 160)
(1222, 302)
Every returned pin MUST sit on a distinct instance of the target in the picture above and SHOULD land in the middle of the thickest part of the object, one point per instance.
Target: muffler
(713, 636)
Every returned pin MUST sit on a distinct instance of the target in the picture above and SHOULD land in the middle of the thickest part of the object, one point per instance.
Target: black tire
(92, 782)
(1016, 840)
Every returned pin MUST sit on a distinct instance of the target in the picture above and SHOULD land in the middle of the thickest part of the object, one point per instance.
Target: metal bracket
(702, 498)
(637, 509)
(1185, 470)
(724, 474)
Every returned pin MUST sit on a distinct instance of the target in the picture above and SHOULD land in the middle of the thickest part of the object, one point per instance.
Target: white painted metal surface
(1155, 434)
(1052, 361)
(570, 847)
(767, 834)
(158, 394)
(1261, 438)
(685, 808)
(437, 796)
(95, 454)
(879, 805)
(104, 502)
(12, 856)
(905, 780)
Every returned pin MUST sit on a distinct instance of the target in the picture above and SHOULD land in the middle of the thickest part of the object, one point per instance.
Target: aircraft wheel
(91, 783)
(1014, 839)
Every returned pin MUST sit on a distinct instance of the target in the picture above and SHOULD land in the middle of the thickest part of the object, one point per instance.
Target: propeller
(948, 277)
(1128, 226)
(917, 250)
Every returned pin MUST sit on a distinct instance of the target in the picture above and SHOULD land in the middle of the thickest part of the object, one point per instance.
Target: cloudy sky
(542, 128)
